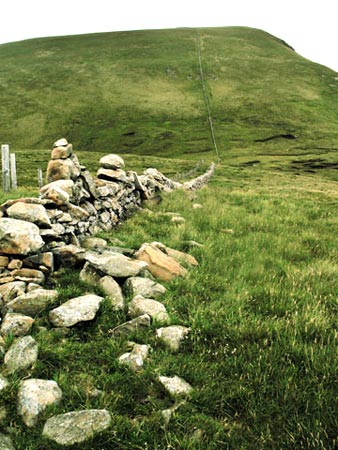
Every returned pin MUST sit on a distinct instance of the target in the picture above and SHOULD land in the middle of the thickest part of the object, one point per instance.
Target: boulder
(34, 396)
(116, 265)
(60, 143)
(113, 291)
(62, 152)
(16, 324)
(18, 237)
(160, 265)
(29, 212)
(156, 310)
(143, 286)
(61, 169)
(79, 309)
(32, 302)
(45, 260)
(76, 426)
(180, 257)
(22, 354)
(90, 275)
(112, 162)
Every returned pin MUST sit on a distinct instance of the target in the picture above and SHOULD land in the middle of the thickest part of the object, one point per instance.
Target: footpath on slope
(38, 234)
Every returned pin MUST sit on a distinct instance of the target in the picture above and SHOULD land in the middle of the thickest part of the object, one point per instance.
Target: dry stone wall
(55, 229)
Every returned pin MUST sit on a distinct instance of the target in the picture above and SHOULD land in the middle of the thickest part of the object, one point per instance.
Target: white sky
(309, 26)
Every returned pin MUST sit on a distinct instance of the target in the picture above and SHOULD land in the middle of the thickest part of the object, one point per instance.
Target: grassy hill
(262, 304)
(140, 92)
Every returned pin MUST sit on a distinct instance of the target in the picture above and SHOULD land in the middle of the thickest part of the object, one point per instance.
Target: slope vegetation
(140, 92)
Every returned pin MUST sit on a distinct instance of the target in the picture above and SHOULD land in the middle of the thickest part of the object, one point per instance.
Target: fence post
(13, 171)
(5, 167)
(40, 181)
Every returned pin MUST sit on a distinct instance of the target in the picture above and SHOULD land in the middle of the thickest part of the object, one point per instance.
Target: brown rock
(11, 290)
(15, 264)
(62, 152)
(28, 275)
(160, 265)
(45, 259)
(111, 174)
(18, 237)
(29, 212)
(4, 260)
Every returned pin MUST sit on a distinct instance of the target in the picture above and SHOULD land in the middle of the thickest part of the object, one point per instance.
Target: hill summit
(141, 92)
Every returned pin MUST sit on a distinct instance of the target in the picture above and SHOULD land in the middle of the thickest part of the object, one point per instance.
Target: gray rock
(28, 275)
(156, 310)
(131, 326)
(60, 143)
(34, 396)
(93, 243)
(16, 324)
(116, 265)
(135, 359)
(76, 426)
(172, 336)
(90, 275)
(113, 291)
(6, 442)
(112, 162)
(22, 354)
(29, 212)
(79, 309)
(143, 286)
(33, 302)
(112, 174)
(18, 237)
(175, 386)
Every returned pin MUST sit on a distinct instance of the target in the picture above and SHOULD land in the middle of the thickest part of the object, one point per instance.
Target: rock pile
(37, 234)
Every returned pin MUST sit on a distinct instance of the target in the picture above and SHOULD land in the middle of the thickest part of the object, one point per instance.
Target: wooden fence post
(5, 167)
(40, 181)
(13, 171)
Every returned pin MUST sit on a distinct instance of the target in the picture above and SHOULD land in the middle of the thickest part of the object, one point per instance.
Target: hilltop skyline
(311, 31)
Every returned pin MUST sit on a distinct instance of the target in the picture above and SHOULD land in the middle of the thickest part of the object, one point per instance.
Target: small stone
(34, 396)
(131, 326)
(16, 324)
(79, 309)
(156, 310)
(172, 336)
(197, 206)
(135, 359)
(62, 152)
(143, 286)
(15, 264)
(12, 290)
(113, 291)
(60, 143)
(6, 442)
(45, 259)
(33, 302)
(22, 354)
(93, 243)
(177, 219)
(76, 426)
(175, 386)
(4, 383)
(4, 260)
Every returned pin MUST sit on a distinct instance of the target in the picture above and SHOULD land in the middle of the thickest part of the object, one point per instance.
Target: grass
(262, 308)
(262, 304)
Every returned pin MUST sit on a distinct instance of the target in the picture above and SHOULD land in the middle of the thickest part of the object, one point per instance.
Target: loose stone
(113, 291)
(156, 310)
(172, 336)
(16, 324)
(76, 426)
(175, 386)
(131, 326)
(143, 286)
(33, 302)
(22, 354)
(79, 309)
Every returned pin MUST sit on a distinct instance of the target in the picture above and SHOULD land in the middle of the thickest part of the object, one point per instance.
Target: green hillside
(140, 92)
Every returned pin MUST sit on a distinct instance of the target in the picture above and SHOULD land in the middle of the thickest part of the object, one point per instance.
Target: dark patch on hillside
(277, 136)
(312, 165)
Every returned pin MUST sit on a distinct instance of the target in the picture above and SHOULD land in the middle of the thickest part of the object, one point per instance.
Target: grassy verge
(262, 307)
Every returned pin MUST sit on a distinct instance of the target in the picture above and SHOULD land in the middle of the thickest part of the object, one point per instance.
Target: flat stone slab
(76, 426)
(22, 354)
(79, 309)
(113, 291)
(116, 264)
(132, 325)
(34, 396)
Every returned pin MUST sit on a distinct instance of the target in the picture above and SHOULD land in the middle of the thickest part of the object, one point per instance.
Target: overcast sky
(309, 26)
